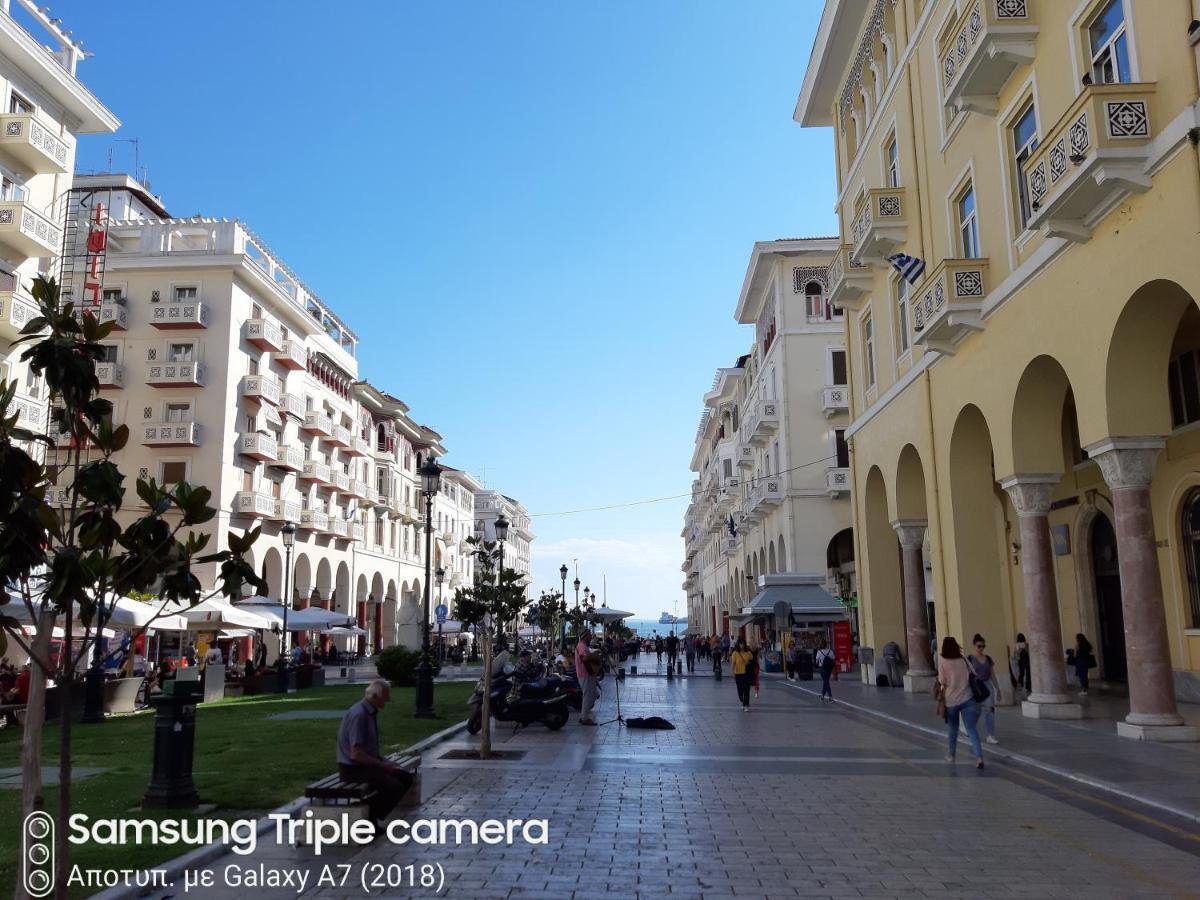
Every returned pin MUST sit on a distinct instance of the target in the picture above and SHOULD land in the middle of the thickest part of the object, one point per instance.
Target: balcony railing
(262, 388)
(729, 546)
(318, 472)
(341, 481)
(26, 233)
(1094, 157)
(110, 375)
(988, 43)
(178, 316)
(745, 455)
(849, 281)
(773, 490)
(880, 226)
(112, 311)
(835, 399)
(263, 334)
(358, 488)
(317, 423)
(258, 446)
(340, 436)
(837, 481)
(339, 527)
(33, 145)
(254, 503)
(287, 511)
(176, 374)
(358, 447)
(171, 434)
(292, 404)
(764, 422)
(290, 458)
(314, 520)
(946, 307)
(15, 312)
(293, 355)
(358, 532)
(30, 411)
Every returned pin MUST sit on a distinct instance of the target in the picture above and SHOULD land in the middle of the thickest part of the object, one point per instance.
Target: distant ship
(668, 619)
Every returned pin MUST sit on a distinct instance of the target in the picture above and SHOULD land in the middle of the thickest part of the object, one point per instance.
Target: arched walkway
(880, 601)
(273, 572)
(911, 527)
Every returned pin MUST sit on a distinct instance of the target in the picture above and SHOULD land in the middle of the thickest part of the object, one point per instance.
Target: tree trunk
(485, 708)
(35, 718)
(62, 849)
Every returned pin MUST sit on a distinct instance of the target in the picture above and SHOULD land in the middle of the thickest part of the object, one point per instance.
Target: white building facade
(772, 489)
(489, 504)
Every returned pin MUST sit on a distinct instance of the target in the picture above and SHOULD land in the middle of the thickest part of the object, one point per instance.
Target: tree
(494, 598)
(71, 560)
(545, 613)
(581, 615)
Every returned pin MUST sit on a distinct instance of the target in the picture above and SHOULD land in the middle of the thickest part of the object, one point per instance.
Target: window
(187, 292)
(891, 153)
(255, 311)
(178, 412)
(816, 307)
(868, 333)
(1191, 551)
(247, 481)
(110, 353)
(902, 314)
(18, 104)
(838, 358)
(1183, 382)
(252, 366)
(1025, 141)
(172, 472)
(968, 224)
(179, 353)
(113, 295)
(251, 424)
(11, 189)
(841, 449)
(1109, 45)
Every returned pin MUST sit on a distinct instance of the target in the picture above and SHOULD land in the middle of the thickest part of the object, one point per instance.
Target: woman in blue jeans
(954, 677)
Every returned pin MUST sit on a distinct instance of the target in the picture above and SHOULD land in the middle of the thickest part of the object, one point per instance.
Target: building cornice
(762, 261)
(841, 21)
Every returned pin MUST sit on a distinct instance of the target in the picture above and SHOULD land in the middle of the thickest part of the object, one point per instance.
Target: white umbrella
(217, 613)
(59, 633)
(605, 615)
(311, 618)
(345, 631)
(129, 613)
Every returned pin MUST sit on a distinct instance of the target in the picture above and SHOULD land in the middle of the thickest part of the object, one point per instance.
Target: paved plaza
(794, 799)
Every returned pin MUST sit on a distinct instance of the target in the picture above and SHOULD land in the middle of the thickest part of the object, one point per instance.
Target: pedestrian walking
(715, 653)
(689, 653)
(741, 660)
(1083, 659)
(587, 668)
(954, 680)
(658, 648)
(984, 668)
(754, 670)
(825, 661)
(1019, 664)
(672, 645)
(793, 661)
(725, 645)
(893, 659)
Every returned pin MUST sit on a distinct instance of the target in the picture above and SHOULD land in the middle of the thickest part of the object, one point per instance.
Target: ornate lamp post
(288, 535)
(440, 575)
(562, 600)
(431, 474)
(501, 525)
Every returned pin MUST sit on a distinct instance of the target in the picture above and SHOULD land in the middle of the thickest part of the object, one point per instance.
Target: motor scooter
(546, 704)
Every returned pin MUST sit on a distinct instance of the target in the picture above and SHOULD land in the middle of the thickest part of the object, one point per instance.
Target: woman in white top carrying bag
(825, 662)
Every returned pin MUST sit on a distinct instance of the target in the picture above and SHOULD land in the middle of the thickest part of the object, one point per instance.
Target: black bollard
(171, 785)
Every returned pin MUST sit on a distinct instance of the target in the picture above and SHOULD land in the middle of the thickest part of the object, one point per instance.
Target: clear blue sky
(537, 216)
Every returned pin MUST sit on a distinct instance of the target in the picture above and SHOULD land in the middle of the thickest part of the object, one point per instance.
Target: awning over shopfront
(805, 594)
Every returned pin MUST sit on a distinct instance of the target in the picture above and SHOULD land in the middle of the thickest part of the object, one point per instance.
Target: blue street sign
(441, 611)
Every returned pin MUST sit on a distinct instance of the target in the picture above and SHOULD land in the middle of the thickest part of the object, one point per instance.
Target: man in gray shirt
(358, 754)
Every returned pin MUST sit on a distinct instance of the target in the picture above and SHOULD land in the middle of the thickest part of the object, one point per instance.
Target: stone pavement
(793, 799)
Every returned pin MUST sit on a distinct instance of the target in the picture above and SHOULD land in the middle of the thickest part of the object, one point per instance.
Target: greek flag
(910, 267)
(732, 526)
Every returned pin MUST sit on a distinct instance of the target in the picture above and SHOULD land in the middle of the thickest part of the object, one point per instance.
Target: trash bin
(171, 785)
(804, 666)
(866, 662)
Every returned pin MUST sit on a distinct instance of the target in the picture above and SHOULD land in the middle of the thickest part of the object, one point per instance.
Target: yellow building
(1025, 413)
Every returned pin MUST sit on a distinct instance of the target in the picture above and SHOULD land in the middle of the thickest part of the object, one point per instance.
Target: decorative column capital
(1030, 494)
(911, 532)
(1126, 463)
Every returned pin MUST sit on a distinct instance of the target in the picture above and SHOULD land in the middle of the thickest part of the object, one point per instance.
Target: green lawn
(244, 762)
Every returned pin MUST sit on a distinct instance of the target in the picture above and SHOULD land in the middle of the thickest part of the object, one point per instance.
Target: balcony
(880, 226)
(314, 520)
(946, 308)
(176, 374)
(341, 481)
(171, 434)
(112, 311)
(340, 436)
(263, 334)
(293, 405)
(835, 399)
(340, 528)
(990, 41)
(318, 472)
(753, 508)
(258, 446)
(34, 146)
(317, 423)
(255, 504)
(765, 422)
(290, 459)
(110, 375)
(849, 281)
(358, 532)
(179, 315)
(729, 546)
(383, 454)
(358, 447)
(358, 488)
(372, 497)
(744, 456)
(30, 411)
(263, 388)
(773, 491)
(837, 481)
(287, 511)
(26, 233)
(292, 355)
(1093, 158)
(15, 312)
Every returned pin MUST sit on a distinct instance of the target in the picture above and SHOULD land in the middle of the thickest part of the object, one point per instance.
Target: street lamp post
(562, 601)
(577, 583)
(288, 534)
(440, 575)
(431, 474)
(501, 525)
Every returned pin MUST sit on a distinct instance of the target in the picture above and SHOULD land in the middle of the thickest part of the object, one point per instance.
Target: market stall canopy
(806, 595)
(125, 613)
(605, 615)
(342, 631)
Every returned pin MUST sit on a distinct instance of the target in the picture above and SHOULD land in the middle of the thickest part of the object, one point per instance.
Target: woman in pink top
(954, 675)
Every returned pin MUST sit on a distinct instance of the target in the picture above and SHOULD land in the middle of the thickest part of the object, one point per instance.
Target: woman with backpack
(742, 659)
(825, 662)
(984, 668)
(957, 690)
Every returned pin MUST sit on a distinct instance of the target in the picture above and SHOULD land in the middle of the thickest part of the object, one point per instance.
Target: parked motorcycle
(545, 703)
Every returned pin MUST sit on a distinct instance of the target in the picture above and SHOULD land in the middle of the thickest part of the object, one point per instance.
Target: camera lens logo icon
(38, 840)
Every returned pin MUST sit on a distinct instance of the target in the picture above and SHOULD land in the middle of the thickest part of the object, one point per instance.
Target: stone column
(1128, 466)
(1049, 698)
(920, 675)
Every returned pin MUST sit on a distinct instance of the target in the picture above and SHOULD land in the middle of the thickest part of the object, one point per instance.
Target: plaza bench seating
(333, 790)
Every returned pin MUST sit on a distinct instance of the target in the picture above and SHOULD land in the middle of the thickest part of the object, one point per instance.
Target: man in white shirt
(214, 657)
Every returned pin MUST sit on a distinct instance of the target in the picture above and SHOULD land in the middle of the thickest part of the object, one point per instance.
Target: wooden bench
(335, 792)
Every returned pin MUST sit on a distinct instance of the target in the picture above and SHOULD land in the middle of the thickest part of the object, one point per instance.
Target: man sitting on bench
(358, 754)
